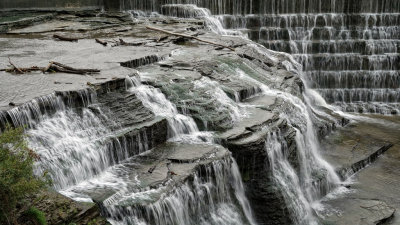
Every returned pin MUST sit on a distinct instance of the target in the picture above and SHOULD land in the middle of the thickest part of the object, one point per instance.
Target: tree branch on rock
(50, 68)
(189, 37)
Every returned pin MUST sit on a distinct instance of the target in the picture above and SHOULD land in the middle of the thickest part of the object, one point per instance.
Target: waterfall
(207, 199)
(335, 38)
(193, 11)
(213, 190)
(86, 158)
(316, 177)
(181, 127)
(212, 88)
(348, 49)
(285, 176)
(70, 147)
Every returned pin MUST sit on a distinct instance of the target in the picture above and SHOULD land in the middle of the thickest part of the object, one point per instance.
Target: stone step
(275, 7)
(310, 20)
(345, 62)
(134, 176)
(370, 107)
(354, 79)
(354, 210)
(362, 47)
(142, 61)
(370, 195)
(360, 95)
(349, 150)
(324, 33)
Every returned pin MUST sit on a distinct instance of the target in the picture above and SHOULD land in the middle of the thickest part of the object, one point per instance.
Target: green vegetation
(34, 214)
(17, 180)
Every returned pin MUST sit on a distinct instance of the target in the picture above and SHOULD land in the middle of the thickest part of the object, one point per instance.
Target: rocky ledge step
(346, 172)
(142, 61)
(359, 211)
(186, 183)
(137, 139)
(350, 151)
(27, 114)
(151, 170)
(24, 20)
(247, 142)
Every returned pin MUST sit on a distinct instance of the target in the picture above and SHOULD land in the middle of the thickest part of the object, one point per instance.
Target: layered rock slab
(372, 195)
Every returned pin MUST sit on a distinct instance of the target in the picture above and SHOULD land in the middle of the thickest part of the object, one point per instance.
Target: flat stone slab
(349, 146)
(249, 128)
(84, 54)
(192, 153)
(379, 182)
(256, 119)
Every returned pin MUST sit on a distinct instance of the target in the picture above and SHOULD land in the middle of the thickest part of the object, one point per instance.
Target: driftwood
(62, 38)
(104, 43)
(52, 67)
(189, 37)
(17, 70)
(58, 67)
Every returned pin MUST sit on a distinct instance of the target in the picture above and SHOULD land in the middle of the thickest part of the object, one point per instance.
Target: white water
(181, 127)
(301, 190)
(226, 174)
(350, 58)
(213, 89)
(83, 158)
(300, 197)
(285, 176)
(208, 199)
(193, 11)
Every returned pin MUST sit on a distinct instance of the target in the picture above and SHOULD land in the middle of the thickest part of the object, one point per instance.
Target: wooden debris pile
(52, 67)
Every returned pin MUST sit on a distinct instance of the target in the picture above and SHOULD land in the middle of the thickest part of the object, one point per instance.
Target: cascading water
(348, 49)
(316, 177)
(354, 41)
(74, 148)
(207, 199)
(213, 190)
(74, 145)
(192, 11)
(181, 127)
(285, 176)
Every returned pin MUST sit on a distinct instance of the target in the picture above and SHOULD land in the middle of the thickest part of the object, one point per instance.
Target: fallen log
(104, 43)
(189, 37)
(62, 38)
(56, 66)
(52, 67)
